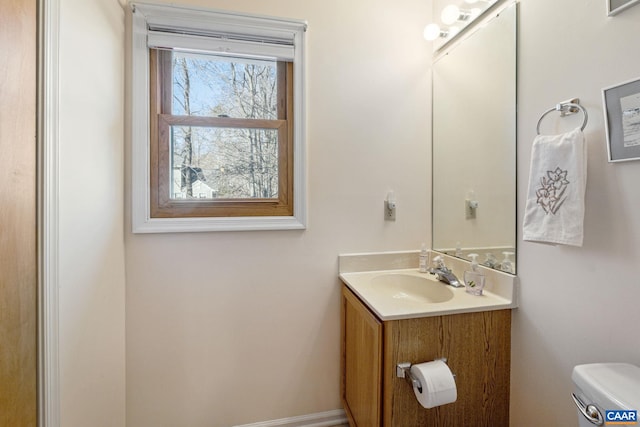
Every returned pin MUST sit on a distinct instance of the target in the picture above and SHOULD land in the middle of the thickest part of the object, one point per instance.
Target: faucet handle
(439, 263)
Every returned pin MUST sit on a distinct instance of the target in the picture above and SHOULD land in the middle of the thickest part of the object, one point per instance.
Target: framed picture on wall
(622, 120)
(616, 6)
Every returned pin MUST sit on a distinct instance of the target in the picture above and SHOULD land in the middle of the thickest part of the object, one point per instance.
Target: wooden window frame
(161, 120)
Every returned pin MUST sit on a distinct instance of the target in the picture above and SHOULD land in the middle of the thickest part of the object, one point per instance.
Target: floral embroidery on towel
(551, 194)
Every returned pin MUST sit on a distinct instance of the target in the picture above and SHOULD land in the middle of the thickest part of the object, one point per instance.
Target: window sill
(192, 225)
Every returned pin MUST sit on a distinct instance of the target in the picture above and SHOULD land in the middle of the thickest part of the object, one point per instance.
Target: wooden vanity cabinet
(477, 347)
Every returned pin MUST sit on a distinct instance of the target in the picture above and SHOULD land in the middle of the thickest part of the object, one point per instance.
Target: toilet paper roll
(438, 384)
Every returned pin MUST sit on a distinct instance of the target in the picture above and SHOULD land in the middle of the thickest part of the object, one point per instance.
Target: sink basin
(410, 287)
(406, 293)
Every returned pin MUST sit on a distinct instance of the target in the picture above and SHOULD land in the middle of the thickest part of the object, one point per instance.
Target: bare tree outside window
(224, 162)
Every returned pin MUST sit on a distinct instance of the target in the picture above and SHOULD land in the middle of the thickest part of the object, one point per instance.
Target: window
(220, 132)
(217, 121)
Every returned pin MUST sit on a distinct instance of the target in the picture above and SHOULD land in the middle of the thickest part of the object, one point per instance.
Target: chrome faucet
(444, 274)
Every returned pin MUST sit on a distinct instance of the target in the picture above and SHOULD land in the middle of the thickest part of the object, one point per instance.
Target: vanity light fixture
(487, 2)
(453, 13)
(433, 31)
(474, 13)
(453, 30)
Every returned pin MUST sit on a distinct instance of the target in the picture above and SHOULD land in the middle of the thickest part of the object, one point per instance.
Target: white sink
(408, 287)
(407, 293)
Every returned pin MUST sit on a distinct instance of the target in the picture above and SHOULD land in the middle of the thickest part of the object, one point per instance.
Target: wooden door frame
(48, 214)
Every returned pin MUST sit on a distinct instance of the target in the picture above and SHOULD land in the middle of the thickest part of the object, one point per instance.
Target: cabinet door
(361, 362)
(477, 346)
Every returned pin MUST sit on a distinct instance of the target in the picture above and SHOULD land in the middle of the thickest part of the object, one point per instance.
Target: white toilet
(602, 387)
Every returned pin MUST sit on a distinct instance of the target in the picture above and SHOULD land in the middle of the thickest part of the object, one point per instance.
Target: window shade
(221, 44)
(220, 32)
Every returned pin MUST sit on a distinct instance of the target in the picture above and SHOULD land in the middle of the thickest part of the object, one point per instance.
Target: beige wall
(236, 327)
(578, 305)
(91, 294)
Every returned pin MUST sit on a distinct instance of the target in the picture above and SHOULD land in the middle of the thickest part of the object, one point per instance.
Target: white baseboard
(320, 419)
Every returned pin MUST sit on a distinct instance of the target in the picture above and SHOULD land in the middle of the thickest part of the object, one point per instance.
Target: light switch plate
(469, 212)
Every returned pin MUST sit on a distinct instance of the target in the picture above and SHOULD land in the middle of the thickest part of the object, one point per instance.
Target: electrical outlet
(389, 212)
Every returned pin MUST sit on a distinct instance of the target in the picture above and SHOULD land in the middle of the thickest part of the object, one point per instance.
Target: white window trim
(145, 14)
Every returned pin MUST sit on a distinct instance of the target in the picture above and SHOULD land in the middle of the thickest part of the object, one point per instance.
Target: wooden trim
(343, 353)
(286, 157)
(161, 164)
(161, 204)
(155, 102)
(222, 122)
(164, 64)
(18, 214)
(283, 89)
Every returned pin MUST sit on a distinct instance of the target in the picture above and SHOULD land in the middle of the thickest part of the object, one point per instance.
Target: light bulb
(450, 14)
(432, 32)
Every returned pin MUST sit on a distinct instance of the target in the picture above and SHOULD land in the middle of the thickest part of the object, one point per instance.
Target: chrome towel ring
(565, 108)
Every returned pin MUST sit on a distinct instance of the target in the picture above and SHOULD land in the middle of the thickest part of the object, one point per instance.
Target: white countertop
(499, 293)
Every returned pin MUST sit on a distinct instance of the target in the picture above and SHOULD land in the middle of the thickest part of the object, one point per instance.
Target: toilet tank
(607, 387)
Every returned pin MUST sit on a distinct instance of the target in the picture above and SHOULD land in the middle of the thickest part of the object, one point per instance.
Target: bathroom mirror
(474, 143)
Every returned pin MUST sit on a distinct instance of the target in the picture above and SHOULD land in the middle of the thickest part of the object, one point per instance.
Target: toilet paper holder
(403, 370)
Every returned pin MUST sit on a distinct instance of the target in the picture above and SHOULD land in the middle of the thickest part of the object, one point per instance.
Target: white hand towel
(557, 181)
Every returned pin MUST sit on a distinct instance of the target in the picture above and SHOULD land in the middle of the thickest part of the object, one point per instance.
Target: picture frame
(616, 6)
(622, 120)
